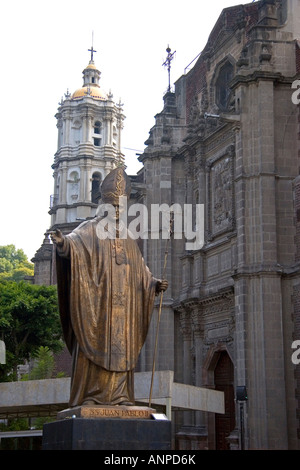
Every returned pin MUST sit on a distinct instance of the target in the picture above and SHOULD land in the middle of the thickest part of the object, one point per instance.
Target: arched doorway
(223, 379)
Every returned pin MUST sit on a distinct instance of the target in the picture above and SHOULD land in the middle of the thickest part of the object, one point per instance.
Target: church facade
(227, 139)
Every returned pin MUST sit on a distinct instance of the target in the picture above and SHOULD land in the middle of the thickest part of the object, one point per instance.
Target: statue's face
(113, 211)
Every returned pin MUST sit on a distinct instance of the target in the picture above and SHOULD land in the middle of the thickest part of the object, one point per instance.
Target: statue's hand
(57, 237)
(162, 285)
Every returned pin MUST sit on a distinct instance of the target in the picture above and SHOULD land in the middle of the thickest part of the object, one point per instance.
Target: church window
(96, 182)
(97, 127)
(223, 91)
(97, 133)
(115, 136)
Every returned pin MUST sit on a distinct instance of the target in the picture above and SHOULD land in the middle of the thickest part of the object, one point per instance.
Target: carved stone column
(186, 329)
(198, 329)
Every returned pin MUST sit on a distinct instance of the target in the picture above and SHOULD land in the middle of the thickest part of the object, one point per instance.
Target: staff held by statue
(160, 308)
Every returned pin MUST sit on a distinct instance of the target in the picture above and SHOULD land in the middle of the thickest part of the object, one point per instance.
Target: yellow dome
(91, 66)
(92, 91)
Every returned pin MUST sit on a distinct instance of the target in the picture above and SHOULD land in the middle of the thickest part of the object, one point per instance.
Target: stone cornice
(157, 153)
(79, 157)
(258, 270)
(258, 75)
(204, 299)
(71, 206)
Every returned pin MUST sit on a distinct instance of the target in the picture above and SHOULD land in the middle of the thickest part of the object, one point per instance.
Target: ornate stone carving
(221, 194)
(197, 322)
(197, 123)
(266, 53)
(185, 325)
(221, 331)
(189, 163)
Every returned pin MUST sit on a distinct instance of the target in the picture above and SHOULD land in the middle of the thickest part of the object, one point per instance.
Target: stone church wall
(239, 158)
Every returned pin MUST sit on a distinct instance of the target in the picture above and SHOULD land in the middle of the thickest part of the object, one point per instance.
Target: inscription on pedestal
(123, 412)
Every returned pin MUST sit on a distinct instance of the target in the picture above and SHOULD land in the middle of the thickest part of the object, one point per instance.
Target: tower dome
(91, 87)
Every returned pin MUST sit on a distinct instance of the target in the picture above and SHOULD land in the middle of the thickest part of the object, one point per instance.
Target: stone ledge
(49, 396)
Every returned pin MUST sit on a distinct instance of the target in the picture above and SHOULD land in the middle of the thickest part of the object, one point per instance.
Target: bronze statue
(106, 296)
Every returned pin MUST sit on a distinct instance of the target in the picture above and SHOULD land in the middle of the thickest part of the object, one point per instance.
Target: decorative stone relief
(185, 325)
(194, 115)
(199, 106)
(211, 320)
(266, 53)
(218, 319)
(221, 195)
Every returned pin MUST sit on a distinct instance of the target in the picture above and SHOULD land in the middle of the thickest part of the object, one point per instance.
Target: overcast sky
(44, 49)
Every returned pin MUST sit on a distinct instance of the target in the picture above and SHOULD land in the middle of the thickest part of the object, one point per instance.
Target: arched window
(97, 134)
(223, 91)
(96, 183)
(97, 127)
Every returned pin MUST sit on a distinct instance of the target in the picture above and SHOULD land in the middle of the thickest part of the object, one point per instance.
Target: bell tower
(89, 146)
(89, 127)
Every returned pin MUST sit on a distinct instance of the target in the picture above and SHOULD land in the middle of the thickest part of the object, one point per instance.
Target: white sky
(44, 48)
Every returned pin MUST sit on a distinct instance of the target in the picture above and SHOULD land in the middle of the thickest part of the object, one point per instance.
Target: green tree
(44, 364)
(14, 264)
(29, 318)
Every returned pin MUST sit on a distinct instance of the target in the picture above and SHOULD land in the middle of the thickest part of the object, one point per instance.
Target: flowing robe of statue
(106, 297)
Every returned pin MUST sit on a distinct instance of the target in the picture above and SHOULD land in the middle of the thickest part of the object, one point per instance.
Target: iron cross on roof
(92, 50)
(167, 63)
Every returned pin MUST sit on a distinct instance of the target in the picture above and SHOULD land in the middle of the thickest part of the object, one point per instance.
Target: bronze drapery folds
(106, 296)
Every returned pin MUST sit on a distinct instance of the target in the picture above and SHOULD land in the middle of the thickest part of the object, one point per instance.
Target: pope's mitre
(116, 184)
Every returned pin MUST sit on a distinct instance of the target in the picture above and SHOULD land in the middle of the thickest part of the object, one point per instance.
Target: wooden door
(224, 423)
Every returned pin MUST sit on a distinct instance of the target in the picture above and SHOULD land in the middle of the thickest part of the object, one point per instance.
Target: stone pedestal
(94, 411)
(107, 428)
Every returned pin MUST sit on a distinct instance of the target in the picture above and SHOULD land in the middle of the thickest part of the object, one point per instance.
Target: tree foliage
(14, 265)
(43, 365)
(29, 319)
